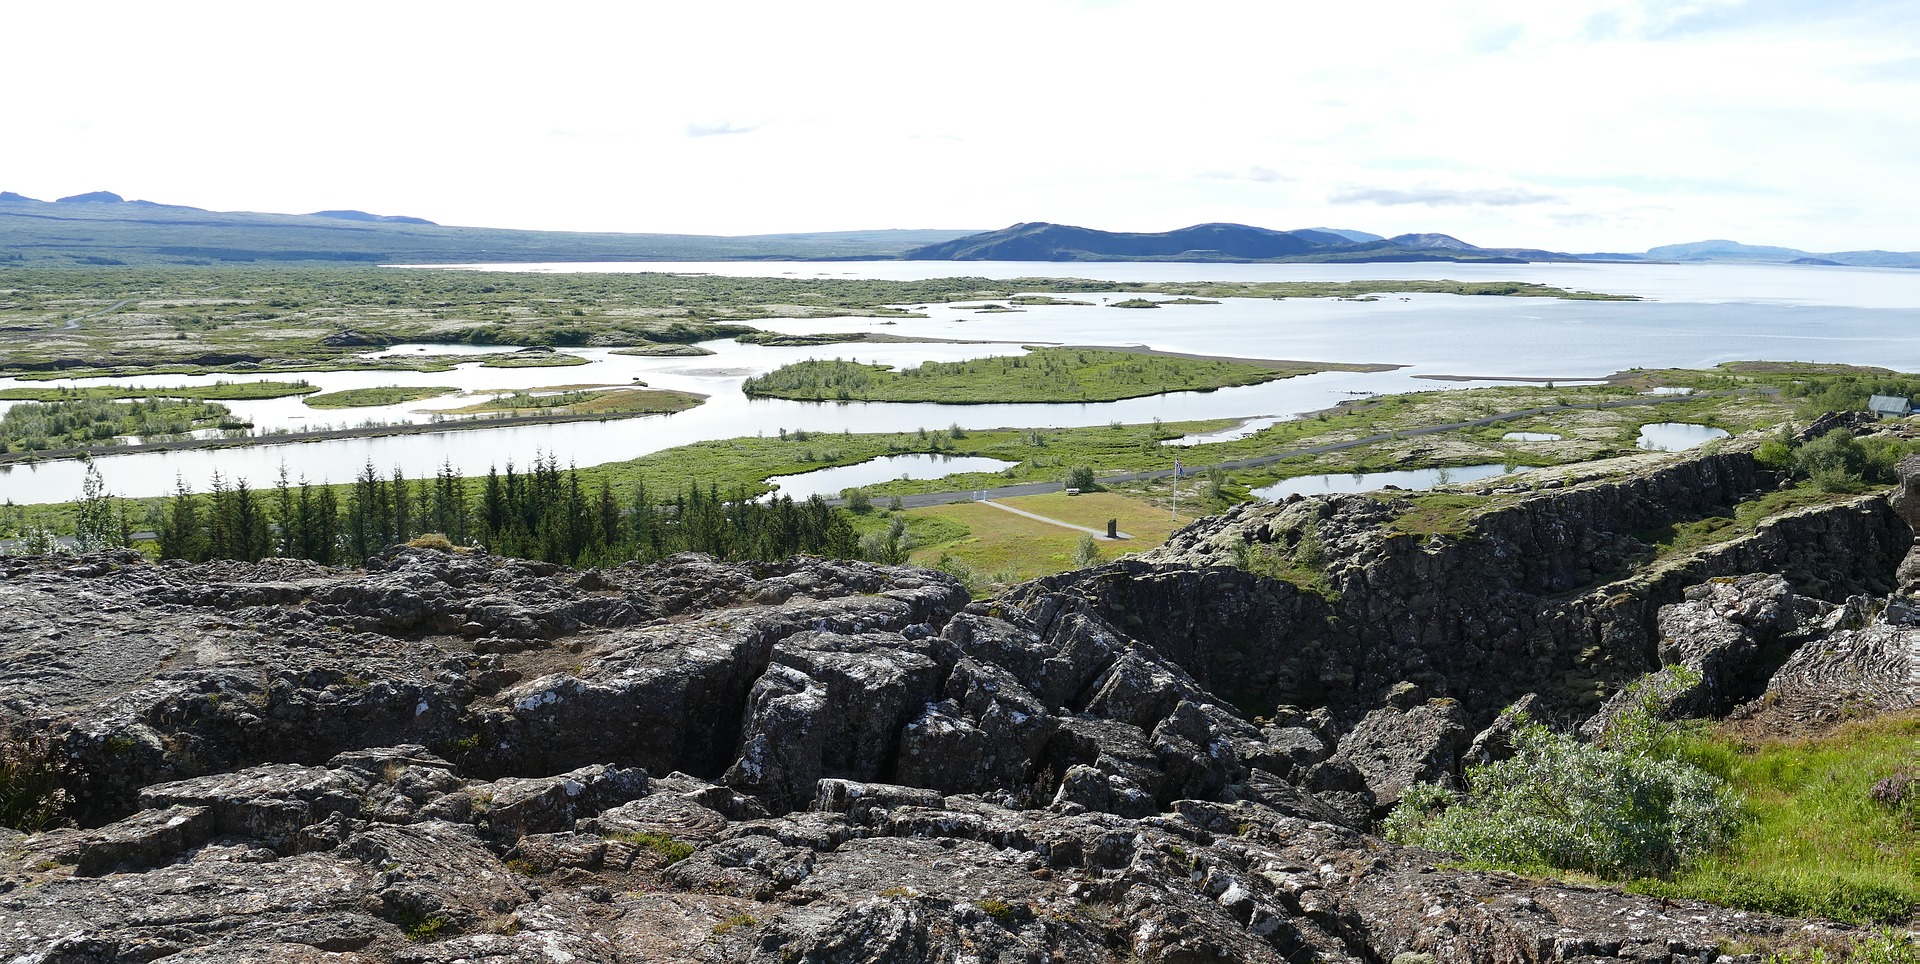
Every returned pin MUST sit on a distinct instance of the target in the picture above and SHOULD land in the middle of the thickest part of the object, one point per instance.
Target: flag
(1176, 468)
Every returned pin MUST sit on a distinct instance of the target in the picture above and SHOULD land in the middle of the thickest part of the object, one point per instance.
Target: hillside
(103, 228)
(1724, 251)
(1041, 241)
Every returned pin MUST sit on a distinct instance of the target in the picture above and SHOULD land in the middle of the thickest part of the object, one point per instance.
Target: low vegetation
(1042, 375)
(32, 780)
(384, 395)
(1559, 804)
(607, 401)
(218, 391)
(1830, 826)
(1818, 826)
(533, 360)
(93, 423)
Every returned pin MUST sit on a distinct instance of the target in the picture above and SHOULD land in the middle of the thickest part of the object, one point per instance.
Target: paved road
(1037, 488)
(1096, 533)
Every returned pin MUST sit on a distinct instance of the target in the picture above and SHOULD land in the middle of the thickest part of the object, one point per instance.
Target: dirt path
(110, 309)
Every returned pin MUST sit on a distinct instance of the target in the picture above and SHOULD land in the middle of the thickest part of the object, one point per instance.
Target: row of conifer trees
(543, 512)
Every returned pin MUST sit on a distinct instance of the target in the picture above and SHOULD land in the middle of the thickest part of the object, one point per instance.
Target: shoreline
(326, 435)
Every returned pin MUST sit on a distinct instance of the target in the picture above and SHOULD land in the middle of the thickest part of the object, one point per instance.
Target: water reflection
(1418, 480)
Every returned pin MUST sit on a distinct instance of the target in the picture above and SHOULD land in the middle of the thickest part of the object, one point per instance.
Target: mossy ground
(1816, 841)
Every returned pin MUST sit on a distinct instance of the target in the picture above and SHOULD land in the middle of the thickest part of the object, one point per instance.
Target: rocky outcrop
(1906, 502)
(447, 756)
(1554, 592)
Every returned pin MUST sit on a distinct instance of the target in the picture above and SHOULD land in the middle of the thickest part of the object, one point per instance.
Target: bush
(32, 778)
(1086, 554)
(1081, 477)
(857, 500)
(1562, 804)
(433, 540)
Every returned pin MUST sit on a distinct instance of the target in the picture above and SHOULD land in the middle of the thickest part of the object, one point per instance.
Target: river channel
(1695, 316)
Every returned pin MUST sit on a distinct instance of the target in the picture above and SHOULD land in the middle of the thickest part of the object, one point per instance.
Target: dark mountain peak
(10, 196)
(352, 215)
(93, 197)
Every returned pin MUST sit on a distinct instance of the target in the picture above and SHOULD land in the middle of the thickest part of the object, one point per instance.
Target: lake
(1700, 315)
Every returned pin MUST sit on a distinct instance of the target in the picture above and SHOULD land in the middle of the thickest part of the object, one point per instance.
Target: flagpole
(1175, 516)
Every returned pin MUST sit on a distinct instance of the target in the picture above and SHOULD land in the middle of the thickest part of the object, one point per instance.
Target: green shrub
(32, 778)
(1566, 805)
(674, 850)
(1086, 554)
(1081, 477)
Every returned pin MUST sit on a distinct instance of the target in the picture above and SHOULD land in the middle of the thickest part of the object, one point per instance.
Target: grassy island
(384, 395)
(1042, 375)
(218, 391)
(85, 423)
(607, 401)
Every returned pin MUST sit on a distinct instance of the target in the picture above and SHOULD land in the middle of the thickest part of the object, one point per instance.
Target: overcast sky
(1584, 125)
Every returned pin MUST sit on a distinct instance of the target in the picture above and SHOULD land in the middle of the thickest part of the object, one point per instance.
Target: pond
(1531, 437)
(1246, 428)
(1418, 480)
(1676, 436)
(828, 483)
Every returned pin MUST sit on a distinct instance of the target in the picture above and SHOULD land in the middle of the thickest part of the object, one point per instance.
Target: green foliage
(1438, 513)
(1302, 562)
(735, 922)
(673, 850)
(533, 360)
(218, 391)
(997, 909)
(1042, 375)
(95, 423)
(544, 513)
(1086, 553)
(1562, 804)
(1825, 834)
(1848, 391)
(32, 778)
(1081, 477)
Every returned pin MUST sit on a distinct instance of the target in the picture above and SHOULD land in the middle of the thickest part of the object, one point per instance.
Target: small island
(1041, 375)
(381, 395)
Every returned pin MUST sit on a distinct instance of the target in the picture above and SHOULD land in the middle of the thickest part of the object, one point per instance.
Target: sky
(1573, 125)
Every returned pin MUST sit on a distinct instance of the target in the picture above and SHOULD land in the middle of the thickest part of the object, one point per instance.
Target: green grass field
(1816, 842)
(1005, 547)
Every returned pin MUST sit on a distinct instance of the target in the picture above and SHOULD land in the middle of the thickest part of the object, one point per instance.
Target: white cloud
(1574, 125)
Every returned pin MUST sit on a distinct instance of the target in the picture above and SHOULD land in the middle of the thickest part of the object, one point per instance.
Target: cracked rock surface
(444, 757)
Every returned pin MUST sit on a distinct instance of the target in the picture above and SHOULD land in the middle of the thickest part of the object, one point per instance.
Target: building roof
(1890, 403)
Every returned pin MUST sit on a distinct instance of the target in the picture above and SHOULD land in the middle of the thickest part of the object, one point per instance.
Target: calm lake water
(1418, 480)
(886, 468)
(1676, 436)
(1699, 315)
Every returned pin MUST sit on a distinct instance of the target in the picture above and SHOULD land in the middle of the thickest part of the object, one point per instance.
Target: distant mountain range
(1761, 254)
(1040, 241)
(102, 227)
